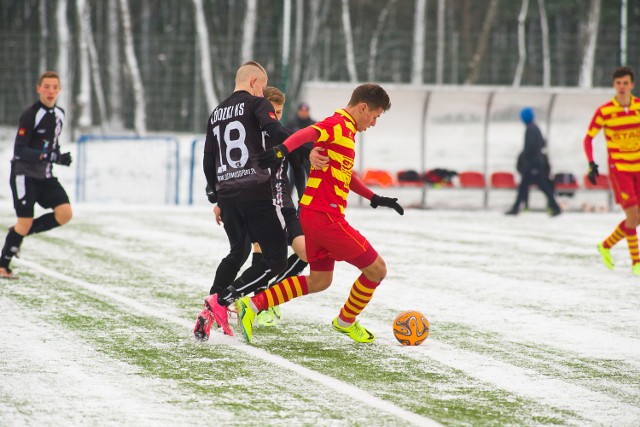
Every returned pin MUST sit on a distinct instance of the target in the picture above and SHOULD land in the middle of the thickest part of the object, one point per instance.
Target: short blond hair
(274, 95)
(248, 70)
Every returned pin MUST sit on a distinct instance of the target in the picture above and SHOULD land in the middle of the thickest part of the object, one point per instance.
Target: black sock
(256, 258)
(43, 223)
(225, 274)
(295, 265)
(249, 281)
(11, 247)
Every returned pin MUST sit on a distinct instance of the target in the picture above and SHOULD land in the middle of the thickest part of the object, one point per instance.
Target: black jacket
(533, 159)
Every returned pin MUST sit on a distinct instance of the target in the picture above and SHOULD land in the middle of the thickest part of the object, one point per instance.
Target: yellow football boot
(606, 256)
(246, 317)
(356, 332)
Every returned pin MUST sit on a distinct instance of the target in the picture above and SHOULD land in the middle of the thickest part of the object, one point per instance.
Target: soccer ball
(411, 328)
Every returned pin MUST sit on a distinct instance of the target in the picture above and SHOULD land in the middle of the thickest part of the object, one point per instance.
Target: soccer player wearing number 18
(235, 136)
(328, 236)
(32, 181)
(620, 119)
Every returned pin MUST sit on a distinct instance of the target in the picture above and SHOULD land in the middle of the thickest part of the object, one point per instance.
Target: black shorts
(294, 229)
(261, 222)
(48, 193)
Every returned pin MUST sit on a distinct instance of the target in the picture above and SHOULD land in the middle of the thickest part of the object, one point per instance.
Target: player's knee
(377, 271)
(63, 214)
(23, 226)
(318, 282)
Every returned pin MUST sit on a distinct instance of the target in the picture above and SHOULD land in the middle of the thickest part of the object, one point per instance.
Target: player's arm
(209, 165)
(277, 134)
(358, 187)
(21, 150)
(274, 156)
(594, 128)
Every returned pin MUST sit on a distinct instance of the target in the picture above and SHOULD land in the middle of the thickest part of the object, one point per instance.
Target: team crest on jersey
(22, 131)
(624, 196)
(273, 115)
(347, 164)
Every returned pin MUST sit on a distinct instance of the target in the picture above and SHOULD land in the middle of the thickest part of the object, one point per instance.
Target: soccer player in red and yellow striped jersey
(620, 119)
(329, 237)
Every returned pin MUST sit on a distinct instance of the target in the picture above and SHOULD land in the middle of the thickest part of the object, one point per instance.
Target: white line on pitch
(335, 384)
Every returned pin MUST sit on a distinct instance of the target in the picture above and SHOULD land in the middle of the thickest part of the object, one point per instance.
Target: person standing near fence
(36, 148)
(620, 119)
(329, 237)
(533, 166)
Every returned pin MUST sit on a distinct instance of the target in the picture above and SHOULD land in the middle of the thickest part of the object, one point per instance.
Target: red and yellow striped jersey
(328, 188)
(621, 131)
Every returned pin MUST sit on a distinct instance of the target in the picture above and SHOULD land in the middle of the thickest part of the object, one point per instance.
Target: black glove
(55, 157)
(212, 195)
(593, 172)
(387, 202)
(272, 157)
(63, 159)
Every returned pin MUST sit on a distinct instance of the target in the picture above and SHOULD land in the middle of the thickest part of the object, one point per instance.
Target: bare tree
(298, 37)
(624, 29)
(440, 42)
(522, 45)
(116, 120)
(44, 34)
(139, 113)
(83, 98)
(64, 70)
(419, 30)
(375, 40)
(249, 30)
(348, 39)
(590, 29)
(95, 67)
(308, 59)
(546, 51)
(205, 55)
(483, 42)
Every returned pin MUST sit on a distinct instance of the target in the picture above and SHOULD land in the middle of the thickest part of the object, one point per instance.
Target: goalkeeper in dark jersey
(36, 150)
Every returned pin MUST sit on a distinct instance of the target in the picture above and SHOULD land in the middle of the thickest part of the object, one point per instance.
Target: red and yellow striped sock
(632, 242)
(617, 235)
(281, 292)
(360, 295)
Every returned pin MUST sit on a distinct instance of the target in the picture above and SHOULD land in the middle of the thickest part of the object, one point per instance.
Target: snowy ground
(528, 327)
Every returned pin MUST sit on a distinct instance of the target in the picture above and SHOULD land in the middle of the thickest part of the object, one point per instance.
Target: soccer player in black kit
(235, 136)
(36, 149)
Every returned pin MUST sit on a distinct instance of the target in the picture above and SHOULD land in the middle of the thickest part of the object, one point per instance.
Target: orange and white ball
(411, 328)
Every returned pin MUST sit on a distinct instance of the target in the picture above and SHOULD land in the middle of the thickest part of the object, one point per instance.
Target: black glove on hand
(63, 159)
(272, 157)
(593, 172)
(212, 195)
(387, 202)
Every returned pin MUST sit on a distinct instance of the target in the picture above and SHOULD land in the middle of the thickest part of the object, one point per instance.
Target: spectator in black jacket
(533, 165)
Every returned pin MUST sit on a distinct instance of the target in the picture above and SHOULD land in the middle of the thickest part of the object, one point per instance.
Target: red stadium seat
(472, 179)
(602, 183)
(503, 180)
(378, 178)
(565, 183)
